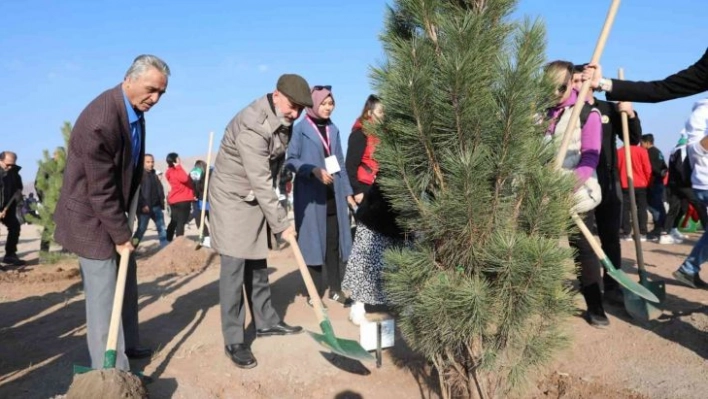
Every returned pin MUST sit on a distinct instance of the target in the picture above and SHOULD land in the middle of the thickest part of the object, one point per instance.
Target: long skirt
(364, 273)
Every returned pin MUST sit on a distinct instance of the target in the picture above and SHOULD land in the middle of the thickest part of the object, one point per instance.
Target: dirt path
(42, 334)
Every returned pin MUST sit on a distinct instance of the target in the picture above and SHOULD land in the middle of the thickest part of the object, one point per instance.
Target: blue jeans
(656, 206)
(157, 217)
(699, 253)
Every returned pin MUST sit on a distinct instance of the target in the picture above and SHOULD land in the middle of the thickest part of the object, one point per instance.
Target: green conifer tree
(463, 159)
(48, 184)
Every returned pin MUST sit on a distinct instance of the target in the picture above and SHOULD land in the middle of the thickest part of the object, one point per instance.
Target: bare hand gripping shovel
(636, 306)
(343, 347)
(621, 277)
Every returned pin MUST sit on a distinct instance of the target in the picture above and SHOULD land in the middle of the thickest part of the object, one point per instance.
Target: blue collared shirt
(135, 129)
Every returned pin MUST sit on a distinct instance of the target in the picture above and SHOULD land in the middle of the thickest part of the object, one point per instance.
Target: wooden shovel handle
(599, 48)
(206, 187)
(117, 311)
(630, 184)
(311, 289)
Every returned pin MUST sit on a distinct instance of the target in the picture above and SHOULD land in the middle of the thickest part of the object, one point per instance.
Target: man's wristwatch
(605, 85)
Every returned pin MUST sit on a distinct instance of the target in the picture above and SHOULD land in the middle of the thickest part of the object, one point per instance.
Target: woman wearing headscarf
(320, 195)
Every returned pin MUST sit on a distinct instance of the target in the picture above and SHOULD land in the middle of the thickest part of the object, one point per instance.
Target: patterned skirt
(364, 273)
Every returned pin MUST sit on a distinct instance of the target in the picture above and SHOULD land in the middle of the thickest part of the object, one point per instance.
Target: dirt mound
(109, 383)
(42, 273)
(179, 257)
(564, 386)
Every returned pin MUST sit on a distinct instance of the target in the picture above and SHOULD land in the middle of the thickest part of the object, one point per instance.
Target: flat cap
(296, 89)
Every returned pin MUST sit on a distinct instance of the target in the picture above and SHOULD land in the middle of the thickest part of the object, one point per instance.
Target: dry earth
(42, 334)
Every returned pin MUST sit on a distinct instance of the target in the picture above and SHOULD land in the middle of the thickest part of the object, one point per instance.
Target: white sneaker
(675, 233)
(206, 242)
(669, 239)
(357, 314)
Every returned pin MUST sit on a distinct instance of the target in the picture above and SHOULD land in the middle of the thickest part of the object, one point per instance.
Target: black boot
(595, 315)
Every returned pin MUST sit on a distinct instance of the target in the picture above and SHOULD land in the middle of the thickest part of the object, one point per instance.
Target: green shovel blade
(625, 281)
(343, 347)
(639, 308)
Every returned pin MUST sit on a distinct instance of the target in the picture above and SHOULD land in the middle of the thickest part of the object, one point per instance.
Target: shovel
(109, 381)
(621, 277)
(636, 306)
(204, 196)
(343, 347)
(109, 356)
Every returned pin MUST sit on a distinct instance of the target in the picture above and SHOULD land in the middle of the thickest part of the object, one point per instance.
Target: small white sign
(367, 334)
(332, 165)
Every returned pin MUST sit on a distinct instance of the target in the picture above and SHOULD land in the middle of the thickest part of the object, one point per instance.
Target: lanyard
(324, 143)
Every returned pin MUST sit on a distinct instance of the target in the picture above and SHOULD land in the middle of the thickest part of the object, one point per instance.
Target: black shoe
(138, 353)
(685, 278)
(13, 260)
(698, 282)
(597, 319)
(595, 315)
(278, 329)
(339, 297)
(146, 379)
(241, 355)
(312, 305)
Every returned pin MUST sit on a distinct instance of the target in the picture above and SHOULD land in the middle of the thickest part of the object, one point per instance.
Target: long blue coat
(306, 152)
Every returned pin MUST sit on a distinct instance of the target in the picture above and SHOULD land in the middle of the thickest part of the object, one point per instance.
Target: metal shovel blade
(343, 347)
(627, 283)
(639, 308)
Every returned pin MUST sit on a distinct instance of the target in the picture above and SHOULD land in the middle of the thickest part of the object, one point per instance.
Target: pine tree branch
(417, 114)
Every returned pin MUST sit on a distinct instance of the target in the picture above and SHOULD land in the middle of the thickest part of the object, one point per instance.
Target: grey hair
(141, 64)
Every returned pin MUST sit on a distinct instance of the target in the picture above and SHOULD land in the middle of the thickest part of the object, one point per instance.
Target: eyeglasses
(327, 87)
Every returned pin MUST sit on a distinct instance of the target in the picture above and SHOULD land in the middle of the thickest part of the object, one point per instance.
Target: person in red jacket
(360, 162)
(180, 196)
(641, 173)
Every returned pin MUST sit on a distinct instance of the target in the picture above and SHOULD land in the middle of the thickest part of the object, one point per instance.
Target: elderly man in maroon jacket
(101, 179)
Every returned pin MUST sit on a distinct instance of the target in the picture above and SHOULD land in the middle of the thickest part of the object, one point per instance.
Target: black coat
(607, 172)
(690, 81)
(11, 186)
(151, 191)
(376, 213)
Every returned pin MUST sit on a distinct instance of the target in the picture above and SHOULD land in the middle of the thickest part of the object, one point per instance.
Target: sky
(56, 56)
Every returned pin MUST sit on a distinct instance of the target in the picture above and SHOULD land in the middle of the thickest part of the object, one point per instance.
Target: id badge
(332, 165)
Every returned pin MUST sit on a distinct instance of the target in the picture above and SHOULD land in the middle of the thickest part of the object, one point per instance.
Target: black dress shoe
(241, 355)
(278, 329)
(138, 353)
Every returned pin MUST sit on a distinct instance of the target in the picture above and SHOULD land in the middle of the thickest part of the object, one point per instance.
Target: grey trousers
(237, 273)
(99, 278)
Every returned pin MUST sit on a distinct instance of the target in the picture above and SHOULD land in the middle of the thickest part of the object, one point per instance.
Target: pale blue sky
(56, 56)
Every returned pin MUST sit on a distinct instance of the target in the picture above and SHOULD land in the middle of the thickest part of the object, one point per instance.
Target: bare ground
(42, 335)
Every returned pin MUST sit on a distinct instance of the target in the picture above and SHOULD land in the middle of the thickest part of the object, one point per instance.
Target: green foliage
(48, 185)
(464, 160)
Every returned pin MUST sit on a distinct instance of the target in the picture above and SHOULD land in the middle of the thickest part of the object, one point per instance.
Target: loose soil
(107, 384)
(42, 335)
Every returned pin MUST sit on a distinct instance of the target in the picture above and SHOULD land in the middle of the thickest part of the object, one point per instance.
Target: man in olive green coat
(242, 201)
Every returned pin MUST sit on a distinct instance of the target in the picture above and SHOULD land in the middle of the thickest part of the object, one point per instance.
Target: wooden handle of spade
(311, 289)
(599, 47)
(206, 187)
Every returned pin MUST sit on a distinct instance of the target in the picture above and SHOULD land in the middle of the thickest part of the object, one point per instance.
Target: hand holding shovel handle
(609, 20)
